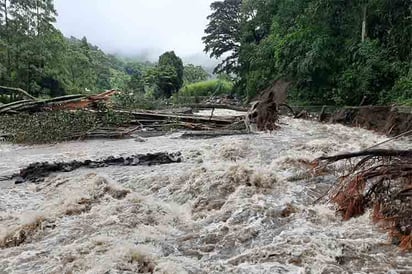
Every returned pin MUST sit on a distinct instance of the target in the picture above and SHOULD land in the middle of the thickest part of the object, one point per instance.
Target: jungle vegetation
(36, 57)
(334, 52)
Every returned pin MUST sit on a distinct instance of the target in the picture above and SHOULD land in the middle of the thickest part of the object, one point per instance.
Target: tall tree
(170, 73)
(223, 34)
(193, 74)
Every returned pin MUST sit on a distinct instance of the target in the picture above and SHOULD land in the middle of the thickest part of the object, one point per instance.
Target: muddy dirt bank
(382, 119)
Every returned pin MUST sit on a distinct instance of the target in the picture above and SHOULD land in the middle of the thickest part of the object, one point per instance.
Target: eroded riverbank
(236, 204)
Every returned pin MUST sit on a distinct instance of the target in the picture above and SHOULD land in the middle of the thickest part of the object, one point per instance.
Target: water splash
(237, 204)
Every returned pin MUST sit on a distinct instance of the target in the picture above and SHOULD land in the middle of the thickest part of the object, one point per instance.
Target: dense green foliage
(36, 57)
(196, 93)
(169, 74)
(193, 74)
(319, 45)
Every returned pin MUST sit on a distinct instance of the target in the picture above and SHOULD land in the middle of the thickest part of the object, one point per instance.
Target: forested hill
(334, 52)
(36, 57)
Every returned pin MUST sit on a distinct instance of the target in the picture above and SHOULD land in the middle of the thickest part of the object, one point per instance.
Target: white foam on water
(236, 204)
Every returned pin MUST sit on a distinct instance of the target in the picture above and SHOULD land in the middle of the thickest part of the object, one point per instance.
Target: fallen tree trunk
(14, 106)
(37, 172)
(375, 152)
(109, 133)
(19, 91)
(68, 102)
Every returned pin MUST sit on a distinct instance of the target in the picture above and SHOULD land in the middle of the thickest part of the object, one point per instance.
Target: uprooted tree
(265, 111)
(381, 180)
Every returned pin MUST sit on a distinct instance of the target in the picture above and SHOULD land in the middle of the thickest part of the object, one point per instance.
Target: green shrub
(402, 91)
(207, 88)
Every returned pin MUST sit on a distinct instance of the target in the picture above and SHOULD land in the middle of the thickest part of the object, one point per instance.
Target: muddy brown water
(237, 204)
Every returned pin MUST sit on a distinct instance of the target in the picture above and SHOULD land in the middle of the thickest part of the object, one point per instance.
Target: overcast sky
(138, 27)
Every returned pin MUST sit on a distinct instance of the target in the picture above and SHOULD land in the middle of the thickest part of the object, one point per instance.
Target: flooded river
(238, 204)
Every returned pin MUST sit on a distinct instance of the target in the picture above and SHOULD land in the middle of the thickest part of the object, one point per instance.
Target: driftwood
(382, 180)
(36, 172)
(322, 115)
(302, 115)
(289, 108)
(212, 134)
(375, 153)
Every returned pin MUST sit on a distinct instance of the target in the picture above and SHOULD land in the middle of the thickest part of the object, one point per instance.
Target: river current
(236, 204)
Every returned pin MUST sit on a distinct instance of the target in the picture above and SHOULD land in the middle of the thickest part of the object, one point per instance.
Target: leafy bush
(402, 91)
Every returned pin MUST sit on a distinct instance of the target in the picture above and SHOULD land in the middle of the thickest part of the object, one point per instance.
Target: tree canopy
(193, 74)
(335, 52)
(170, 73)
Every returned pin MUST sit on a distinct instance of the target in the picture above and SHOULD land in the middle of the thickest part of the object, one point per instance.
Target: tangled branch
(381, 180)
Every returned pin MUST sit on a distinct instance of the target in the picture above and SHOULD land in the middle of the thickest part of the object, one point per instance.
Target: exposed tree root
(265, 111)
(382, 180)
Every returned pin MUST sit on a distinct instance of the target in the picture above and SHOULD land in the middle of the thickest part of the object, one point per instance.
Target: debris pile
(69, 102)
(58, 126)
(381, 180)
(36, 172)
(71, 117)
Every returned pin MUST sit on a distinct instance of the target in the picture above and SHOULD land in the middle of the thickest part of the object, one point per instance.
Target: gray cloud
(138, 27)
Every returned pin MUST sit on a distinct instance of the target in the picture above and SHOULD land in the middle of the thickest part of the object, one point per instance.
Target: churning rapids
(238, 204)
